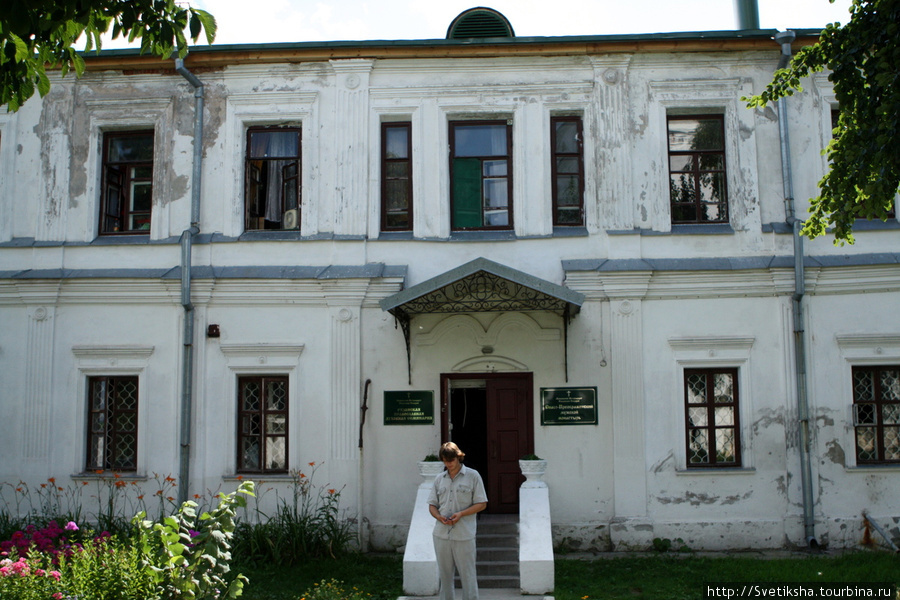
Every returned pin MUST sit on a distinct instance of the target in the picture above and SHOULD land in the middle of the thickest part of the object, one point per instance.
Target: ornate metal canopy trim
(481, 285)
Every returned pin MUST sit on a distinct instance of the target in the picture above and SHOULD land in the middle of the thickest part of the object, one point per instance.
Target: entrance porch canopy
(481, 285)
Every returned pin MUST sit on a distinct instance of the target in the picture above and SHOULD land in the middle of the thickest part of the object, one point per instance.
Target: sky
(263, 21)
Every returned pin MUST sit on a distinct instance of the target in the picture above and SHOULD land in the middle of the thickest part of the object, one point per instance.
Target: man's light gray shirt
(453, 495)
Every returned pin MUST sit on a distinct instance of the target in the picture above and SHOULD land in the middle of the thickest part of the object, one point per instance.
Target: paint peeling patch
(736, 498)
(690, 497)
(767, 419)
(835, 453)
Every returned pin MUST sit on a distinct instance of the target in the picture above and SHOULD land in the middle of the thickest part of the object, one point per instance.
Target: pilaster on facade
(626, 338)
(36, 432)
(344, 299)
(351, 145)
(613, 152)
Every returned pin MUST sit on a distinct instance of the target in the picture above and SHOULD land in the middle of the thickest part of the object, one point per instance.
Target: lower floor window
(711, 417)
(262, 424)
(876, 414)
(112, 423)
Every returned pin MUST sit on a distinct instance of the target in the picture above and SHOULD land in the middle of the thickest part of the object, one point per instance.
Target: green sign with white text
(569, 406)
(414, 407)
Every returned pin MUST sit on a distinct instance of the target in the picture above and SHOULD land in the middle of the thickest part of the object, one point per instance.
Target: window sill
(887, 468)
(483, 236)
(108, 475)
(257, 477)
(717, 471)
(559, 232)
(395, 236)
(699, 229)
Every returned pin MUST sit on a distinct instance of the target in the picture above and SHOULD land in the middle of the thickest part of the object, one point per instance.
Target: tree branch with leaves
(864, 153)
(40, 35)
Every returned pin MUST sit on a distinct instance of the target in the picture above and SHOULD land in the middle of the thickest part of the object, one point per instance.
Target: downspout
(187, 237)
(809, 522)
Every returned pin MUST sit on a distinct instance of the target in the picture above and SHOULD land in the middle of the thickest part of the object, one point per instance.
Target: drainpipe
(187, 237)
(747, 13)
(809, 521)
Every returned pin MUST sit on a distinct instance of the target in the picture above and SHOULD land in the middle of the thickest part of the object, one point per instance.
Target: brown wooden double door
(490, 417)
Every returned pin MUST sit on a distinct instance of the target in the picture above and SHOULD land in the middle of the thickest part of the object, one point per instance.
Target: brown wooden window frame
(106, 420)
(387, 212)
(255, 207)
(876, 414)
(483, 158)
(262, 415)
(555, 159)
(119, 177)
(709, 425)
(697, 173)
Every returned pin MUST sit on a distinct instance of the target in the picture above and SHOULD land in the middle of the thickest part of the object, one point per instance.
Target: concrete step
(498, 551)
(497, 567)
(501, 554)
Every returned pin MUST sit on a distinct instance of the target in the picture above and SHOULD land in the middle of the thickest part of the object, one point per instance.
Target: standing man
(458, 494)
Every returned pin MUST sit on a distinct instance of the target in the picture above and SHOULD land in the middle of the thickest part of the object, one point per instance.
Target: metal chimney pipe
(747, 14)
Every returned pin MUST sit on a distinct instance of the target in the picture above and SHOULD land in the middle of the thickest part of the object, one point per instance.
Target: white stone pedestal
(536, 572)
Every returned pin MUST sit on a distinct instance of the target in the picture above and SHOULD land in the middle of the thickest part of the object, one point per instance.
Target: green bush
(189, 557)
(106, 568)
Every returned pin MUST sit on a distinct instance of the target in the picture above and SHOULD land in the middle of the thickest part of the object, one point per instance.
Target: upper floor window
(711, 417)
(396, 177)
(262, 424)
(876, 414)
(127, 197)
(272, 178)
(112, 423)
(480, 175)
(568, 171)
(697, 178)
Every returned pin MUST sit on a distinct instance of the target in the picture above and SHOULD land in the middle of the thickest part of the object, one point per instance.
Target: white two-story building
(348, 252)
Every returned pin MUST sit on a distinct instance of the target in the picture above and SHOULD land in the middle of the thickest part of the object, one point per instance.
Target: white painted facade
(658, 299)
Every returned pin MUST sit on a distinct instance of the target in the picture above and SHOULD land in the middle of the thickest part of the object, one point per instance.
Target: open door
(490, 417)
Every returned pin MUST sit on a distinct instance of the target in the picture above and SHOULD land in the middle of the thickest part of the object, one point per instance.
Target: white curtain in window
(276, 144)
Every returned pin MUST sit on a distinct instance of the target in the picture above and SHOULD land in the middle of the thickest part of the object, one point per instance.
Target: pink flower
(57, 596)
(55, 575)
(71, 526)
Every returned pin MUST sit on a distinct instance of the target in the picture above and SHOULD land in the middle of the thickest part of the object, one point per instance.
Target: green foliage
(108, 568)
(307, 524)
(865, 151)
(27, 579)
(189, 557)
(40, 34)
(334, 590)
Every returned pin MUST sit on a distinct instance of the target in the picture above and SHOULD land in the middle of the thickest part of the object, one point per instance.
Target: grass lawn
(664, 576)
